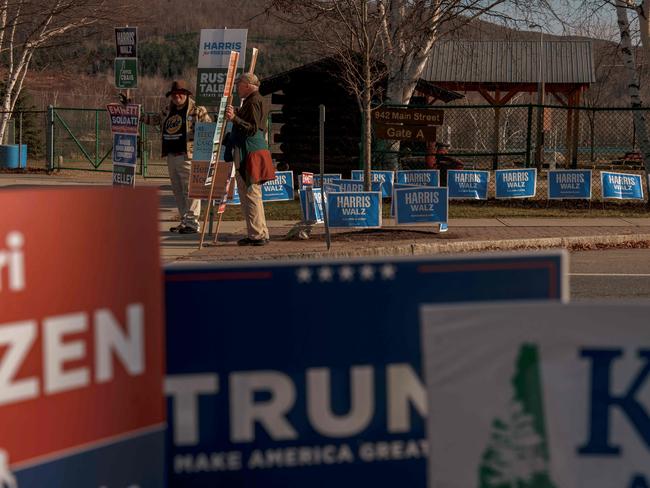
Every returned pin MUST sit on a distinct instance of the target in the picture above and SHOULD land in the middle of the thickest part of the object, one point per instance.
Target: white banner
(540, 395)
(215, 46)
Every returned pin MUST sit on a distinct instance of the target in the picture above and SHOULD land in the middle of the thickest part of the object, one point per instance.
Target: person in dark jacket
(251, 155)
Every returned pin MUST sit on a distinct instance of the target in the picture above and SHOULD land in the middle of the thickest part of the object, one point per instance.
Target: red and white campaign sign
(81, 323)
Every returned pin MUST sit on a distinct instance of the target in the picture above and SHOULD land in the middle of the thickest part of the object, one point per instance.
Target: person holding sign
(177, 124)
(251, 155)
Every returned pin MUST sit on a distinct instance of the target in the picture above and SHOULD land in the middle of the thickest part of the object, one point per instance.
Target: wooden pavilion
(499, 70)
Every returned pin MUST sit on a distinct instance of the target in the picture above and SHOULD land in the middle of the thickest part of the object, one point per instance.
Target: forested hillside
(80, 74)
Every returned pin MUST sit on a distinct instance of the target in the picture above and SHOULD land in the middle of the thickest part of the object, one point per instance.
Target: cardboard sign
(81, 339)
(279, 189)
(420, 177)
(125, 149)
(516, 183)
(126, 73)
(621, 186)
(198, 173)
(386, 178)
(560, 397)
(354, 209)
(338, 402)
(468, 184)
(124, 175)
(126, 42)
(420, 205)
(569, 184)
(124, 119)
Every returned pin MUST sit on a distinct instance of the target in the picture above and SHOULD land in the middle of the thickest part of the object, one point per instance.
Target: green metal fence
(605, 138)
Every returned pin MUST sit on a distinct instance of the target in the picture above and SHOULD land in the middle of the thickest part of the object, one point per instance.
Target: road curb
(571, 243)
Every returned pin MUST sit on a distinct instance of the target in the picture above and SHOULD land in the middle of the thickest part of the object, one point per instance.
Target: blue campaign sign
(259, 399)
(331, 187)
(357, 185)
(419, 205)
(516, 183)
(311, 204)
(327, 177)
(386, 178)
(125, 149)
(392, 200)
(281, 188)
(354, 209)
(569, 184)
(621, 186)
(205, 135)
(468, 184)
(420, 177)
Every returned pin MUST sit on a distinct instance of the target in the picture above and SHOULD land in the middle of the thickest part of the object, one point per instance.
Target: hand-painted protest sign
(420, 177)
(81, 357)
(386, 178)
(124, 119)
(421, 204)
(569, 184)
(354, 209)
(311, 204)
(205, 138)
(126, 73)
(516, 183)
(126, 42)
(621, 186)
(559, 398)
(338, 402)
(468, 184)
(279, 189)
(123, 175)
(215, 46)
(125, 149)
(357, 185)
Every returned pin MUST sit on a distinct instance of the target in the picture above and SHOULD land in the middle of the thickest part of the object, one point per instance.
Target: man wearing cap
(177, 125)
(252, 157)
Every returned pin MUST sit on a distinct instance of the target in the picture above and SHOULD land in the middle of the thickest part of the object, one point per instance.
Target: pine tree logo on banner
(517, 452)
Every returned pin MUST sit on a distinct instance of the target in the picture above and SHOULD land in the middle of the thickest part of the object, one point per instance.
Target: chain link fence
(481, 137)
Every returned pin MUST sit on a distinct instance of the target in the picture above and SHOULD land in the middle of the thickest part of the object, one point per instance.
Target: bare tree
(383, 45)
(627, 53)
(29, 25)
(351, 31)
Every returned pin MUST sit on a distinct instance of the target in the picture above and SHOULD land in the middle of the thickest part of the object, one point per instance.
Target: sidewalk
(464, 235)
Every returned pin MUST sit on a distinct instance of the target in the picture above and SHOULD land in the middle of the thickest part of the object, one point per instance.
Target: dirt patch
(384, 235)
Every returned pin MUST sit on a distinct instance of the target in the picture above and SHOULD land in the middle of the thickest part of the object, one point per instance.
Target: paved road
(619, 274)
